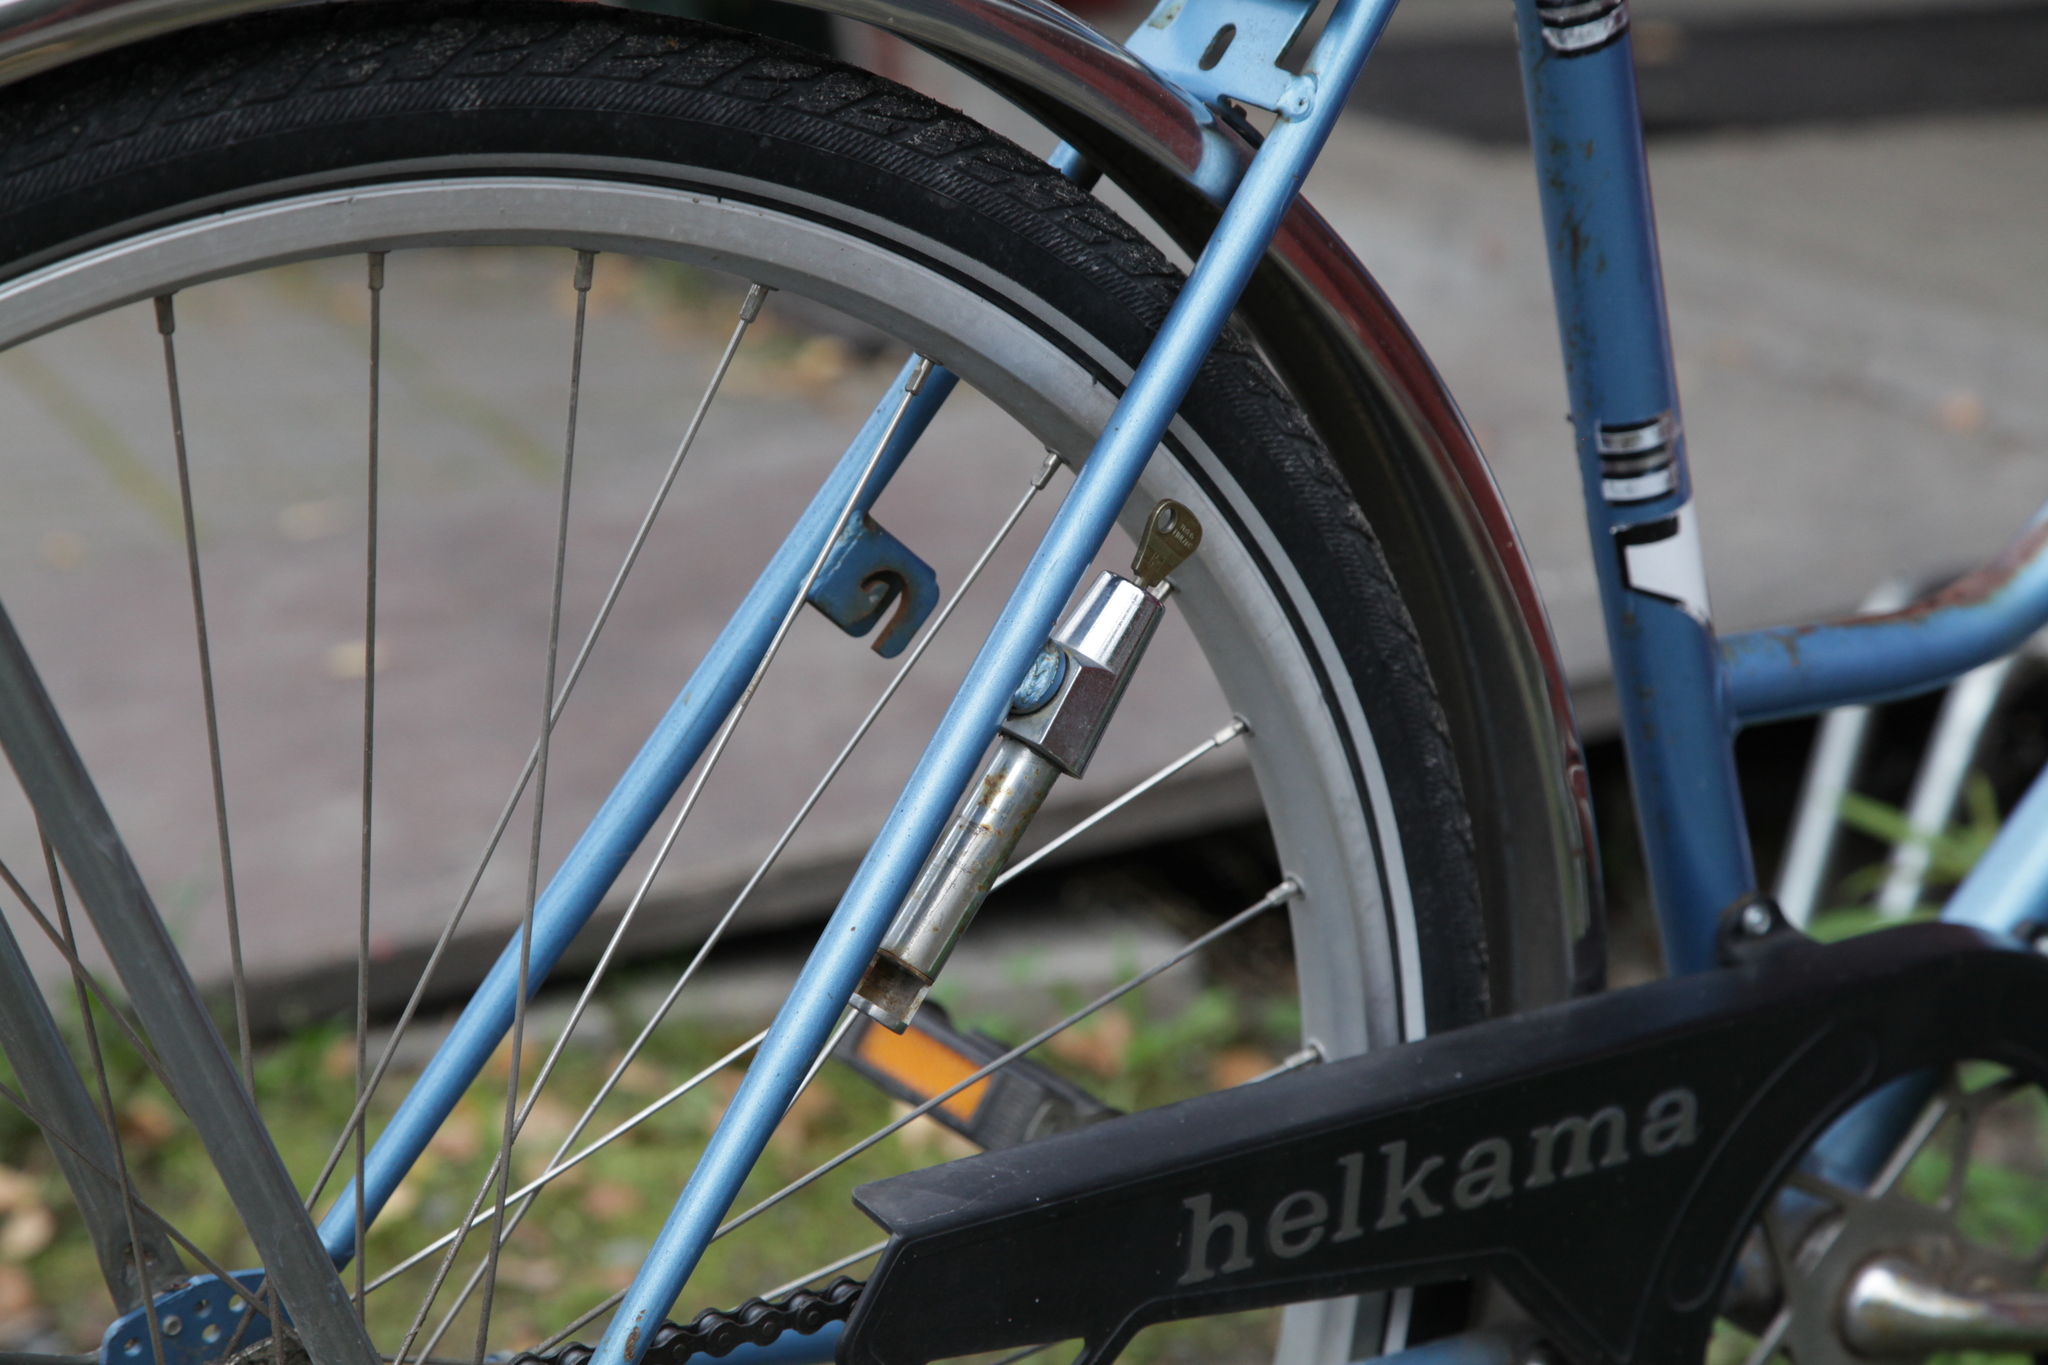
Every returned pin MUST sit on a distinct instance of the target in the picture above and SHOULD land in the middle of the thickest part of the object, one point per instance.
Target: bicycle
(1391, 679)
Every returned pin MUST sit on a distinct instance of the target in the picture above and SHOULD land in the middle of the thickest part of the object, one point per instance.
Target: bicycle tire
(217, 123)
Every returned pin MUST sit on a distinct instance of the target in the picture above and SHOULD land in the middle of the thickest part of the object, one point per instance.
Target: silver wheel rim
(1355, 933)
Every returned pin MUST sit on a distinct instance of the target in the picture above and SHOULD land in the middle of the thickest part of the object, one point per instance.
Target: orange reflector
(924, 1065)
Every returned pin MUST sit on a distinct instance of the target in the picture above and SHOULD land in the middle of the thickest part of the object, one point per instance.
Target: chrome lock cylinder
(1082, 672)
(1057, 717)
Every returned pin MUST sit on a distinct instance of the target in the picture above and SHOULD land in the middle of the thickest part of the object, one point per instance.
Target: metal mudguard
(1601, 1160)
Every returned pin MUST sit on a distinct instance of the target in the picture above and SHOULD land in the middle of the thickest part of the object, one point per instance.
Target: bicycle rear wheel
(228, 168)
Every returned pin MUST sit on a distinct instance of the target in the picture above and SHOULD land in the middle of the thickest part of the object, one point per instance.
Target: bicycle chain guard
(1602, 1160)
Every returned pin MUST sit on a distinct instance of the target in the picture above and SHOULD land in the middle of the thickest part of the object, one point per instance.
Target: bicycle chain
(715, 1332)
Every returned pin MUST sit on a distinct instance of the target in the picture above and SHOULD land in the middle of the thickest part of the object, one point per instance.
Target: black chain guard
(1601, 1159)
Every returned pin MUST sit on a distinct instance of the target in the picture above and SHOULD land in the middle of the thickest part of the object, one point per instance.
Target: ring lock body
(1056, 719)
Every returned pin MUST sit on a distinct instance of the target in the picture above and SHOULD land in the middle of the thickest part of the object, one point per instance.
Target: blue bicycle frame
(1683, 690)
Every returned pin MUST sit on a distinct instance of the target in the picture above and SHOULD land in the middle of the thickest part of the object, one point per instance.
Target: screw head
(1756, 921)
(1042, 683)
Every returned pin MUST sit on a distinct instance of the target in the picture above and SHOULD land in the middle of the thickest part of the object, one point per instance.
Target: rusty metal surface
(1986, 613)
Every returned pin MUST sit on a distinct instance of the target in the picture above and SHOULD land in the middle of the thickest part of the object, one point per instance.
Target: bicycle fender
(1601, 1159)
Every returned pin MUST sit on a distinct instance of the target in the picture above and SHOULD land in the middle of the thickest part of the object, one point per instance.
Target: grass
(588, 1232)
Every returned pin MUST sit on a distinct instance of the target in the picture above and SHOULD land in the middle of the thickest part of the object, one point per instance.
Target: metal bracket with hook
(867, 572)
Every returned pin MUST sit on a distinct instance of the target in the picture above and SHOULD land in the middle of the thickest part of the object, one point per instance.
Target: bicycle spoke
(1285, 891)
(370, 501)
(1025, 1354)
(166, 326)
(830, 1268)
(554, 1170)
(750, 309)
(1214, 742)
(1826, 1191)
(1037, 485)
(1961, 1143)
(922, 369)
(582, 1320)
(81, 974)
(824, 1054)
(585, 266)
(112, 1116)
(1916, 1139)
(1312, 1055)
(1279, 895)
(560, 1167)
(528, 1193)
(140, 1205)
(1773, 1336)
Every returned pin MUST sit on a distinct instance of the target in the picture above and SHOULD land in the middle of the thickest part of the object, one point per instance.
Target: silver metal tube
(1892, 1308)
(1966, 711)
(1829, 772)
(954, 882)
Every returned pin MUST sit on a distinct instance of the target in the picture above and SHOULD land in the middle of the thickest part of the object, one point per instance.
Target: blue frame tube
(647, 786)
(2007, 891)
(1586, 132)
(1795, 670)
(953, 757)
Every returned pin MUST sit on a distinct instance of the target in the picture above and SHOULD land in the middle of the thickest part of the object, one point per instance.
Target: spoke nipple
(1045, 471)
(376, 270)
(915, 383)
(750, 307)
(166, 318)
(586, 266)
(1238, 726)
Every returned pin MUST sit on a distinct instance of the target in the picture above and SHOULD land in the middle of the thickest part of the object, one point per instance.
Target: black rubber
(317, 96)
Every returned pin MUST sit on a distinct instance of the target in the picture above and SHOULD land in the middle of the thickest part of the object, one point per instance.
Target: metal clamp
(1572, 28)
(1090, 661)
(1224, 49)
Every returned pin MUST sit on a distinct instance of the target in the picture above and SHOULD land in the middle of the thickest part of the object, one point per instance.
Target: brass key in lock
(1171, 535)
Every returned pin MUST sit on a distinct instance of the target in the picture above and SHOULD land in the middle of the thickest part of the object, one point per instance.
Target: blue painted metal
(1856, 1146)
(1587, 138)
(2007, 891)
(869, 571)
(1073, 166)
(669, 753)
(1485, 1346)
(954, 755)
(1794, 670)
(790, 1349)
(1222, 49)
(198, 1321)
